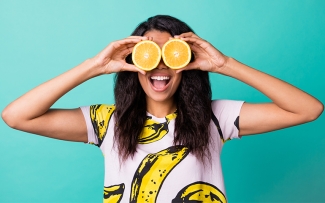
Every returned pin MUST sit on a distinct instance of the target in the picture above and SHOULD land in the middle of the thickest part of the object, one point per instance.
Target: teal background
(41, 39)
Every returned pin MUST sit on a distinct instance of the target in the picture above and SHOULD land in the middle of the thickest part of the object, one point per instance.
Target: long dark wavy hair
(193, 100)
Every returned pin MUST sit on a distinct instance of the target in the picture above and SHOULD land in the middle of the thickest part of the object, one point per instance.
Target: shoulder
(226, 117)
(98, 118)
(101, 109)
(224, 105)
(101, 113)
(98, 110)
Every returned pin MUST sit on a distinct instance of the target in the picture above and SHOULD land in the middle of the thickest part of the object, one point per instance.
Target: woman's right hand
(112, 58)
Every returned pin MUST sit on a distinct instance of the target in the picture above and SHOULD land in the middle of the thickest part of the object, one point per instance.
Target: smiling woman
(161, 83)
(162, 139)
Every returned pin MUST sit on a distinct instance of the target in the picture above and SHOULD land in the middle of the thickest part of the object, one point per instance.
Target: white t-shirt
(159, 171)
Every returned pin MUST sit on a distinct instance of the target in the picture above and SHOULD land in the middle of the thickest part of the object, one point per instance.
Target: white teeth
(160, 78)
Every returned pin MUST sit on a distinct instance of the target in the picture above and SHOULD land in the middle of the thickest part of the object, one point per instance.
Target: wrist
(225, 68)
(235, 69)
(93, 68)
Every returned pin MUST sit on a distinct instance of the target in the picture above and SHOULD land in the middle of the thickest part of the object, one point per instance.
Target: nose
(161, 65)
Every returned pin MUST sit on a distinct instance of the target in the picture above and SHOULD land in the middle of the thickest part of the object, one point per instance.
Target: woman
(163, 137)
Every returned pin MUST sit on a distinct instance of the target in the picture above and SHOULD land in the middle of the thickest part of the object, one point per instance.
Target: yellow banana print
(114, 193)
(154, 131)
(152, 172)
(100, 116)
(200, 192)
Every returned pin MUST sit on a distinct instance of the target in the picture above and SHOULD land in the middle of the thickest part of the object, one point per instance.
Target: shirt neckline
(169, 117)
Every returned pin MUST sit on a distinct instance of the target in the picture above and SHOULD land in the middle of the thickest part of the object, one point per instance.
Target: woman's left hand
(207, 57)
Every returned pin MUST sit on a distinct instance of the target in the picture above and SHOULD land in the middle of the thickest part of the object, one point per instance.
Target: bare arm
(31, 112)
(290, 106)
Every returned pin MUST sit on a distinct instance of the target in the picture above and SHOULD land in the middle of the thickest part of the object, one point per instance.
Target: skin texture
(31, 112)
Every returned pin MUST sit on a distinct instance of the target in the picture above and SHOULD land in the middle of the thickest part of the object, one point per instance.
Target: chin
(160, 99)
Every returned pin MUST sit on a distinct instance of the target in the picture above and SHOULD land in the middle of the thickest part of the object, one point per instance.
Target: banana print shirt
(159, 171)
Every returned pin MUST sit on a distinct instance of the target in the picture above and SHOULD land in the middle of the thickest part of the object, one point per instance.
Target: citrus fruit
(176, 53)
(146, 55)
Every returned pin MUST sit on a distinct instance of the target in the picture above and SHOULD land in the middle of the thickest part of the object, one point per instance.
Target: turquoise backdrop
(41, 39)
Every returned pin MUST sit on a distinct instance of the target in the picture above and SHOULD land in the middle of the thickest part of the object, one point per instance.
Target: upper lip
(161, 77)
(158, 73)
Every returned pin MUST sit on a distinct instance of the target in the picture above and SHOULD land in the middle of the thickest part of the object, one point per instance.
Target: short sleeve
(92, 138)
(226, 117)
(97, 119)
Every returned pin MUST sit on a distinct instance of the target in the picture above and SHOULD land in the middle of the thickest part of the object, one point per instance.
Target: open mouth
(159, 82)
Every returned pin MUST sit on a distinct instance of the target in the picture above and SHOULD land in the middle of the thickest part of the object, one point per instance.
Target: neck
(161, 109)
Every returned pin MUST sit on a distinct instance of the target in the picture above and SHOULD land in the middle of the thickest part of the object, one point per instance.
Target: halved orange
(146, 55)
(176, 53)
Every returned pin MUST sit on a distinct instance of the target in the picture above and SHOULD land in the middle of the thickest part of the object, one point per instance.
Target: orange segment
(176, 53)
(146, 55)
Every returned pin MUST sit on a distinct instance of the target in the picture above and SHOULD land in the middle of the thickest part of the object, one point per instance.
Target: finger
(118, 45)
(180, 70)
(125, 52)
(129, 40)
(137, 37)
(133, 68)
(150, 38)
(193, 66)
(199, 45)
(195, 48)
(141, 71)
(190, 66)
(122, 45)
(188, 34)
(195, 40)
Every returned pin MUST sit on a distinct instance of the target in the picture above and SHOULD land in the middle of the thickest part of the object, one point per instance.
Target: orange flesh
(176, 54)
(146, 55)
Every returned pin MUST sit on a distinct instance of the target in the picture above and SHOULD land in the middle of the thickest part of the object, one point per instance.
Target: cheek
(142, 80)
(177, 82)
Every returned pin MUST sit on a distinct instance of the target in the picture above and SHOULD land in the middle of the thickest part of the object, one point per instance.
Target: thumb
(190, 66)
(193, 65)
(133, 68)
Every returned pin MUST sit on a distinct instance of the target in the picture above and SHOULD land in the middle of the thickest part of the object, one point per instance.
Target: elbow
(9, 118)
(315, 112)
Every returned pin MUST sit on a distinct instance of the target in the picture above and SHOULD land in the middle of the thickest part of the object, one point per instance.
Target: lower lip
(159, 90)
